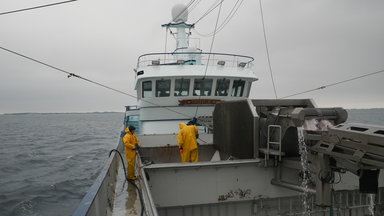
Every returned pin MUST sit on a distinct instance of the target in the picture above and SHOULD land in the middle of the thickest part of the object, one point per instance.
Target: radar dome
(179, 13)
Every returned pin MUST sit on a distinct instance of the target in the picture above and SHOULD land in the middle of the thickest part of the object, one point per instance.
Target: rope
(209, 55)
(194, 6)
(226, 20)
(208, 11)
(185, 9)
(91, 81)
(267, 49)
(166, 41)
(336, 83)
(37, 7)
(230, 15)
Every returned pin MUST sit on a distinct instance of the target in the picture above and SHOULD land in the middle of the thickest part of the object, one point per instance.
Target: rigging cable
(230, 15)
(91, 81)
(267, 50)
(336, 83)
(166, 41)
(37, 7)
(208, 11)
(226, 20)
(194, 6)
(183, 11)
(209, 55)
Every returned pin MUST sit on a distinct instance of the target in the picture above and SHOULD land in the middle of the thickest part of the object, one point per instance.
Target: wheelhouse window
(133, 120)
(182, 87)
(202, 87)
(146, 89)
(222, 86)
(238, 88)
(163, 88)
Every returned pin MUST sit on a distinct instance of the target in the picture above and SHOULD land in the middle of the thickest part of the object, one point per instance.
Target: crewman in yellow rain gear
(180, 141)
(187, 142)
(131, 144)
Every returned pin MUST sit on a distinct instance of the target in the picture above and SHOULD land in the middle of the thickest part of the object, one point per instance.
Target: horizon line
(90, 112)
(101, 112)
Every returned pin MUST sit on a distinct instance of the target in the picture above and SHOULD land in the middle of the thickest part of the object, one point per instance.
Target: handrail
(201, 53)
(150, 207)
(181, 48)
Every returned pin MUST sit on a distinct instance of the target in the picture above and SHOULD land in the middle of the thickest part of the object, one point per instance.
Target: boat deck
(127, 200)
(219, 187)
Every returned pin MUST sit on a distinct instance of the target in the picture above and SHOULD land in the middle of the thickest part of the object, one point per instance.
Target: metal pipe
(291, 186)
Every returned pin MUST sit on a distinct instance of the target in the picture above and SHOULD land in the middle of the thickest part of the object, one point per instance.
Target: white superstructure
(174, 87)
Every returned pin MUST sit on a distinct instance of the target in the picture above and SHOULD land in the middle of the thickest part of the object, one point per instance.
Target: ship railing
(100, 197)
(147, 200)
(195, 58)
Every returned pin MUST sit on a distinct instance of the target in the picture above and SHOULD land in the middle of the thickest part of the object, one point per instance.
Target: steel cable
(267, 49)
(37, 7)
(225, 22)
(91, 81)
(335, 83)
(209, 55)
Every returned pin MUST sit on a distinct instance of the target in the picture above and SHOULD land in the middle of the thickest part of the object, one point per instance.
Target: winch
(270, 129)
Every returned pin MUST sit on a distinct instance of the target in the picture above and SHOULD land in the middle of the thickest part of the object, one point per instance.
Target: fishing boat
(256, 157)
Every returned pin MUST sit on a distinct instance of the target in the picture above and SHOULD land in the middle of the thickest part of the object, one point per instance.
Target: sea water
(49, 161)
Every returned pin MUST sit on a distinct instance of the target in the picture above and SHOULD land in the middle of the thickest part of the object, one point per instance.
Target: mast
(182, 29)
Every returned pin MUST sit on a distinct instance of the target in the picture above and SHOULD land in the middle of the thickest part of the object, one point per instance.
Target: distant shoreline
(109, 112)
(39, 113)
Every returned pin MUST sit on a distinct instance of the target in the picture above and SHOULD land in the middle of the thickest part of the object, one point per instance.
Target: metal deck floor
(127, 202)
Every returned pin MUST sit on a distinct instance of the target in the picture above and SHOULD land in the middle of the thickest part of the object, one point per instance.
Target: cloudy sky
(311, 44)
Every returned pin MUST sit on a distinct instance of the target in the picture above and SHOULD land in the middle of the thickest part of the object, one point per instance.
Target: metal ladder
(269, 151)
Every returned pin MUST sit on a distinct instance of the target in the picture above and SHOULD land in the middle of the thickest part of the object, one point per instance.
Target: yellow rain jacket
(187, 140)
(130, 140)
(180, 140)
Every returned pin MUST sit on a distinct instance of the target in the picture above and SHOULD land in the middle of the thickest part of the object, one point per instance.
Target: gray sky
(311, 44)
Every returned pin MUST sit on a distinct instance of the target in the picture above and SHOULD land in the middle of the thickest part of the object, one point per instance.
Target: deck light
(155, 62)
(180, 62)
(222, 63)
(242, 64)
